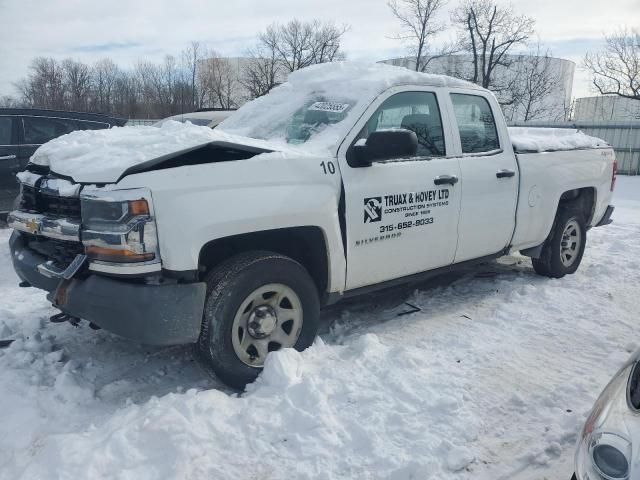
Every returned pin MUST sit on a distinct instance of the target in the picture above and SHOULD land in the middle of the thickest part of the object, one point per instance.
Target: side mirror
(384, 145)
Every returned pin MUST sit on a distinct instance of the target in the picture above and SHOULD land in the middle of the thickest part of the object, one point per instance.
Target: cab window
(415, 111)
(476, 124)
(5, 130)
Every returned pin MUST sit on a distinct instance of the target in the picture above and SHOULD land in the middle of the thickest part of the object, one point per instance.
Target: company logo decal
(372, 209)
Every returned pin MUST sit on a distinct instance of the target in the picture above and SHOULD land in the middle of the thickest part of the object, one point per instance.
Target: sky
(127, 31)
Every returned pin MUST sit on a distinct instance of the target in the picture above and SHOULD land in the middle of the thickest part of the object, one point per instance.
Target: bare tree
(616, 69)
(191, 58)
(126, 96)
(105, 73)
(44, 85)
(299, 44)
(77, 77)
(262, 71)
(284, 48)
(489, 32)
(419, 29)
(219, 82)
(534, 82)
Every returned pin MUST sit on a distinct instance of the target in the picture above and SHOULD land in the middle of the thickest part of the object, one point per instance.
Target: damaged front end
(96, 251)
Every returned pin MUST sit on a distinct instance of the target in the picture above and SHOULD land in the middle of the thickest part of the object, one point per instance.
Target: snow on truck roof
(339, 91)
(379, 75)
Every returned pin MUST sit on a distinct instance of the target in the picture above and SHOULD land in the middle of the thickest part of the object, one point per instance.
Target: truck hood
(105, 156)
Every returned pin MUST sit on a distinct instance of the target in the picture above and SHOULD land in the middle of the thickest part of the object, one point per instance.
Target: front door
(402, 214)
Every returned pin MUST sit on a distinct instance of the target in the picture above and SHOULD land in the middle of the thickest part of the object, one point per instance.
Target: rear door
(489, 184)
(8, 162)
(398, 221)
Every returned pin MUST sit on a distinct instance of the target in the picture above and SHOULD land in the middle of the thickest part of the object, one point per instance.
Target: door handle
(8, 157)
(445, 180)
(504, 173)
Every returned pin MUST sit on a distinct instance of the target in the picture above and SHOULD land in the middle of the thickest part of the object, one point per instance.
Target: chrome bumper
(38, 224)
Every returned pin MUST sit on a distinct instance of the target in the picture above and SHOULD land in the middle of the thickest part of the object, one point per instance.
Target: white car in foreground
(346, 179)
(609, 442)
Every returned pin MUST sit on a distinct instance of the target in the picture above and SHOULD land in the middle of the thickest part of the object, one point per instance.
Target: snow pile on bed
(529, 139)
(103, 155)
(355, 84)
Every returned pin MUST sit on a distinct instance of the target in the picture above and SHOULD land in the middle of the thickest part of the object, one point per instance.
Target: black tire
(228, 286)
(550, 263)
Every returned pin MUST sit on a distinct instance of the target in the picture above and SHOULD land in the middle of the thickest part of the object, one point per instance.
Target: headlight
(610, 437)
(118, 227)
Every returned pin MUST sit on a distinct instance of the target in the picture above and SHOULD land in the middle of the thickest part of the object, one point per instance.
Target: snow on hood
(528, 139)
(102, 156)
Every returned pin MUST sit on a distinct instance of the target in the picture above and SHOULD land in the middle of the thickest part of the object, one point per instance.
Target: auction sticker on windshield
(329, 107)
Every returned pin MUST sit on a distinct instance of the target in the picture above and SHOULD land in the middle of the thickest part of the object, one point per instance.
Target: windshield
(314, 110)
(295, 116)
(313, 118)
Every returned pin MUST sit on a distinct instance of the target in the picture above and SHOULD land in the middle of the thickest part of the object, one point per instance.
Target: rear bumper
(606, 218)
(164, 314)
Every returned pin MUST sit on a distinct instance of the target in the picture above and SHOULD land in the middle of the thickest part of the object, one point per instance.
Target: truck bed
(545, 175)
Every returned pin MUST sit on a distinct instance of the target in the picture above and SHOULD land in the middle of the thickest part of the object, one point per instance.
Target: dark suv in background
(23, 130)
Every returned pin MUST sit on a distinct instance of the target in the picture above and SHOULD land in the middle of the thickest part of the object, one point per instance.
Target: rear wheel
(563, 250)
(257, 302)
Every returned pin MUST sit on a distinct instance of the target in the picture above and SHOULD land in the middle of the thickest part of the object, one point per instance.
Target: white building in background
(609, 108)
(556, 106)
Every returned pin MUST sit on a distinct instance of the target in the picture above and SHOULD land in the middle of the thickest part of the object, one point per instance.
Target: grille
(60, 206)
(32, 200)
(60, 252)
(28, 199)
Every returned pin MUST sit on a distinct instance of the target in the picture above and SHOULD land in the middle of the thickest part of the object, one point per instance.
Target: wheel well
(306, 245)
(582, 200)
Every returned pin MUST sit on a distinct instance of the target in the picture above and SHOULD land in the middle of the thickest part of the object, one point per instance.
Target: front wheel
(563, 250)
(257, 302)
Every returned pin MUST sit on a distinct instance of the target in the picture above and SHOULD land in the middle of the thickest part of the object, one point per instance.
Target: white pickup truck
(345, 179)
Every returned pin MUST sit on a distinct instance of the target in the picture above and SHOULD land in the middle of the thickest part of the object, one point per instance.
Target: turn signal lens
(138, 207)
(117, 255)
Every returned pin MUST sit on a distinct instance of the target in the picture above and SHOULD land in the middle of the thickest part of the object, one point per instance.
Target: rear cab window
(476, 123)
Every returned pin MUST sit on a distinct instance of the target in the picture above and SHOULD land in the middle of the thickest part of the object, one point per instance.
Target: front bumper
(163, 314)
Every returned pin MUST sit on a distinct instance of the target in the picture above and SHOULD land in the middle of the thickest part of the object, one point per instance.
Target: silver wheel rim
(570, 243)
(269, 319)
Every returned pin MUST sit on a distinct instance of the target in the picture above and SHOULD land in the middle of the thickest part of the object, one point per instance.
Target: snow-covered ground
(490, 380)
